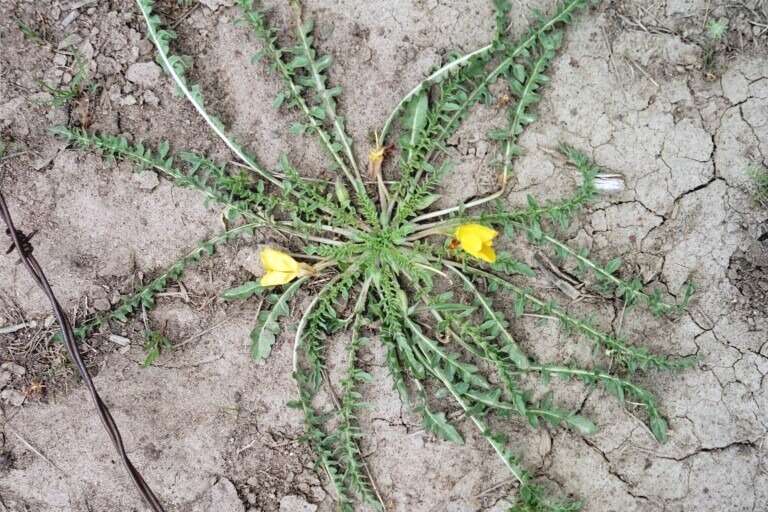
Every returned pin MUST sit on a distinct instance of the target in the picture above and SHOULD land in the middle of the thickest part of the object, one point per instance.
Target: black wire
(21, 243)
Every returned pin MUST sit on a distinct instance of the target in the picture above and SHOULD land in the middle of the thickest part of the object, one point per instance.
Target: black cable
(21, 243)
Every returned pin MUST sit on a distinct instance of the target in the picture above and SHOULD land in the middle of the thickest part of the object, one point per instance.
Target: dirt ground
(638, 86)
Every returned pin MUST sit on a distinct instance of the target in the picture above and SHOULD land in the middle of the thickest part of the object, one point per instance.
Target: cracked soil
(210, 428)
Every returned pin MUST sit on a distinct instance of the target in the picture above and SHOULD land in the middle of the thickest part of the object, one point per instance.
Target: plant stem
(431, 79)
(512, 348)
(498, 447)
(322, 92)
(181, 83)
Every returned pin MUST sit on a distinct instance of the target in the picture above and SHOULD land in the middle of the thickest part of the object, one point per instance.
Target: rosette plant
(384, 264)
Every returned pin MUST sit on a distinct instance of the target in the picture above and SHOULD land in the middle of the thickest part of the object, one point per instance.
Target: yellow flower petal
(277, 278)
(477, 240)
(471, 244)
(487, 253)
(277, 261)
(484, 233)
(376, 155)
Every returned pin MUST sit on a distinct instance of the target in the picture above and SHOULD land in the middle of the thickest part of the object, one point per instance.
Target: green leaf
(438, 424)
(659, 428)
(264, 335)
(582, 424)
(279, 100)
(613, 265)
(414, 121)
(426, 201)
(342, 195)
(244, 291)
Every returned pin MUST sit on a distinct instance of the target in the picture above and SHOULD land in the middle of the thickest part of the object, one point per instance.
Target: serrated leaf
(582, 424)
(243, 291)
(437, 423)
(659, 428)
(264, 335)
(279, 100)
(296, 129)
(613, 265)
(426, 201)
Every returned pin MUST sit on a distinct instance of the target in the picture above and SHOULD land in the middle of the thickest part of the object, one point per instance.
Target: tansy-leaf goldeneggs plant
(428, 284)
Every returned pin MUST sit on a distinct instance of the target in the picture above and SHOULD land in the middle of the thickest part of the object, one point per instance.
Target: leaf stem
(433, 78)
(182, 84)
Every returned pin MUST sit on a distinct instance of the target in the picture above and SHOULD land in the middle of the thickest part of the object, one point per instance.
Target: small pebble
(18, 327)
(145, 74)
(12, 397)
(5, 378)
(215, 4)
(14, 368)
(147, 180)
(60, 59)
(120, 340)
(70, 18)
(151, 99)
(296, 504)
(101, 304)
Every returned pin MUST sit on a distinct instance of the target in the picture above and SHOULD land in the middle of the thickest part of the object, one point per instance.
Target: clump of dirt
(748, 271)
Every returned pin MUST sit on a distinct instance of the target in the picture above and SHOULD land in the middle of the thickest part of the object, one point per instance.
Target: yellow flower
(477, 240)
(376, 155)
(375, 159)
(280, 268)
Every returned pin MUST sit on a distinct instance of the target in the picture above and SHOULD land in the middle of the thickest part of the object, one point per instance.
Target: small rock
(129, 100)
(147, 180)
(107, 65)
(119, 340)
(101, 304)
(5, 378)
(318, 494)
(12, 397)
(215, 4)
(60, 59)
(14, 368)
(49, 321)
(72, 16)
(145, 47)
(296, 504)
(114, 93)
(224, 497)
(151, 99)
(87, 50)
(248, 258)
(18, 327)
(145, 74)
